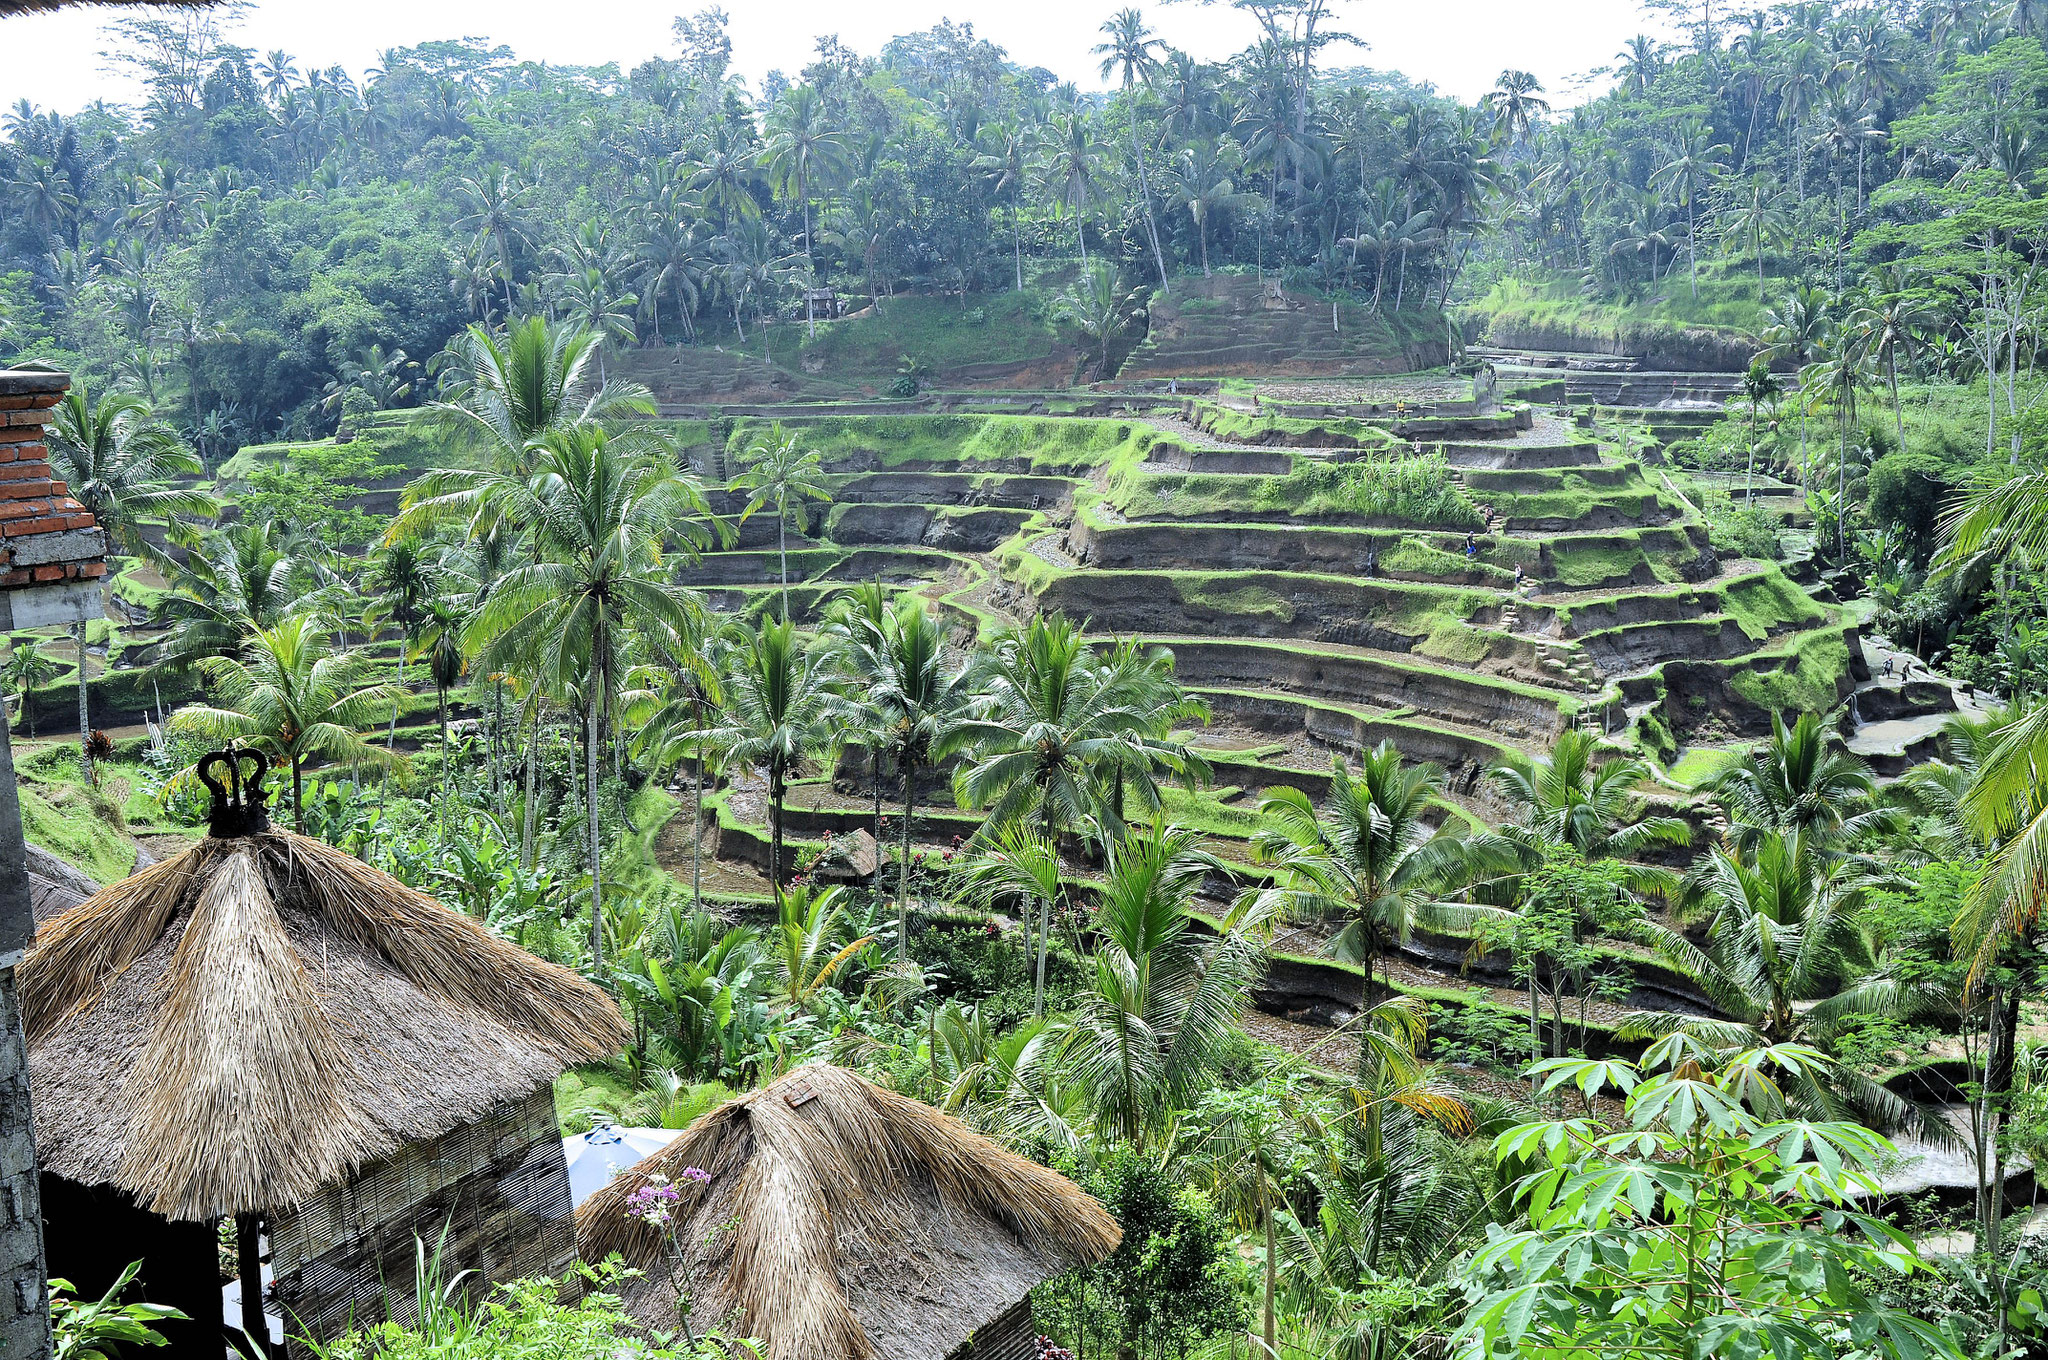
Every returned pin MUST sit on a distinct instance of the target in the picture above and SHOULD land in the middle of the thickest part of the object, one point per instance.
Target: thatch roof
(253, 1019)
(863, 1223)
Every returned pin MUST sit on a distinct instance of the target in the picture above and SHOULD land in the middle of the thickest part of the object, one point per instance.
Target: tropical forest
(1235, 710)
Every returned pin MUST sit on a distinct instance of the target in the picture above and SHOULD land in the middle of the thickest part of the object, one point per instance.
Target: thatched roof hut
(264, 1027)
(842, 1222)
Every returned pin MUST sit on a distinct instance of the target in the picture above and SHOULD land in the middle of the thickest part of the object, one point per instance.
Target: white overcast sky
(1461, 45)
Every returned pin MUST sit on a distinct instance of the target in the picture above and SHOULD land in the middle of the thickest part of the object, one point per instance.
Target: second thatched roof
(243, 1024)
(845, 1222)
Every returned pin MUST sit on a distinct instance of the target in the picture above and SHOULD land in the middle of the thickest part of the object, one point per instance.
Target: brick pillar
(52, 555)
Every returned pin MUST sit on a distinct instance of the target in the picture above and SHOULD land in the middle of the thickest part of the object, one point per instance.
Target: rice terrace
(1210, 704)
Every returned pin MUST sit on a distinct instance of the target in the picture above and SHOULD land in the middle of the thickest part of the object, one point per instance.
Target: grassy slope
(1538, 299)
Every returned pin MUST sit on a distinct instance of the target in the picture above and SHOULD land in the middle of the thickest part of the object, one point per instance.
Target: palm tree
(894, 657)
(1786, 959)
(1066, 169)
(1132, 49)
(118, 460)
(1101, 312)
(1795, 330)
(800, 147)
(1516, 104)
(1694, 164)
(1051, 724)
(509, 392)
(441, 641)
(601, 514)
(779, 472)
(779, 715)
(26, 668)
(806, 951)
(401, 581)
(1889, 322)
(1573, 798)
(1006, 160)
(688, 674)
(1759, 219)
(494, 203)
(1153, 1025)
(296, 699)
(1841, 373)
(1801, 782)
(1760, 385)
(1021, 861)
(1201, 182)
(234, 581)
(591, 300)
(1372, 857)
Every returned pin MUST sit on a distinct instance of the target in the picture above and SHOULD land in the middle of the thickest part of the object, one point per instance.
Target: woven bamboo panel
(498, 1189)
(1013, 1336)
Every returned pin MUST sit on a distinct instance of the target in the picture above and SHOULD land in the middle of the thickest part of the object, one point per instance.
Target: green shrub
(1412, 488)
(524, 1320)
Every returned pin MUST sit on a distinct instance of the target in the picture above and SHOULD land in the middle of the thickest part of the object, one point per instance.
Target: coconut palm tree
(234, 581)
(778, 472)
(1758, 219)
(296, 699)
(441, 633)
(1133, 50)
(26, 668)
(778, 715)
(1786, 959)
(1572, 797)
(801, 148)
(1802, 782)
(893, 656)
(1373, 857)
(1889, 322)
(1018, 860)
(510, 392)
(805, 943)
(603, 519)
(1200, 180)
(1066, 169)
(1516, 101)
(1052, 725)
(1695, 162)
(592, 300)
(119, 460)
(686, 684)
(1153, 1023)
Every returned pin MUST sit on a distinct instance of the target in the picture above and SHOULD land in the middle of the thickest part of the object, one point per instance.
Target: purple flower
(696, 1175)
(655, 1202)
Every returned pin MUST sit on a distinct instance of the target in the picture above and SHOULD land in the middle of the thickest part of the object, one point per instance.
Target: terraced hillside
(1235, 324)
(1234, 536)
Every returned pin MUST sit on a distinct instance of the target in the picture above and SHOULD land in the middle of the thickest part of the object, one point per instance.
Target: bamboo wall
(499, 1188)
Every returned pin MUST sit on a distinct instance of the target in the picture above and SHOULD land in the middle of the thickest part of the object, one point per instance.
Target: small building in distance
(266, 1029)
(845, 1222)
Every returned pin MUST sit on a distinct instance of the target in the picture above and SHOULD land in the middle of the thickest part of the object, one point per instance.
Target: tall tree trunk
(84, 710)
(903, 868)
(1151, 227)
(590, 820)
(529, 814)
(775, 828)
(298, 794)
(1269, 1330)
(441, 713)
(782, 545)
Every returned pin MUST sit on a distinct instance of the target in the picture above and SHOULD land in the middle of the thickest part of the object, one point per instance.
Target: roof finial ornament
(238, 804)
